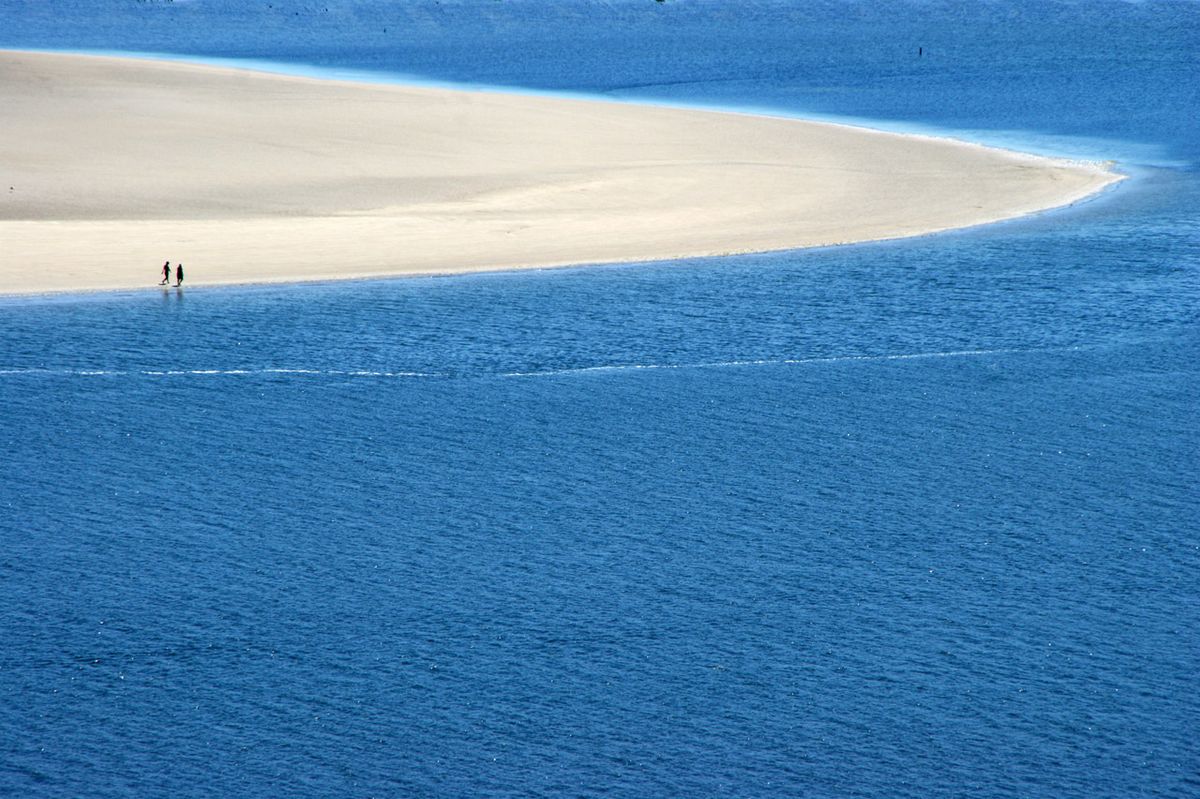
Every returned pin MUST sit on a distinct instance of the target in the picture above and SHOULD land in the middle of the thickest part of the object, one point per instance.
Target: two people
(166, 273)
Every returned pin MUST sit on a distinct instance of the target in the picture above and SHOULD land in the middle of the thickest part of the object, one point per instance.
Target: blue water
(910, 519)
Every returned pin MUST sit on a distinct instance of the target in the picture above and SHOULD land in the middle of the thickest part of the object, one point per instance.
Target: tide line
(577, 370)
(776, 361)
(210, 372)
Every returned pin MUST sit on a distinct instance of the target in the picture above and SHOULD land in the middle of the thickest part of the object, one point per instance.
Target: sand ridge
(109, 166)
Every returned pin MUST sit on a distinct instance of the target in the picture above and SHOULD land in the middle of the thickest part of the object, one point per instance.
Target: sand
(109, 166)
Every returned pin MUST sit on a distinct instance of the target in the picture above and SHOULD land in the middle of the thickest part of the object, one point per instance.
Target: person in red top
(166, 274)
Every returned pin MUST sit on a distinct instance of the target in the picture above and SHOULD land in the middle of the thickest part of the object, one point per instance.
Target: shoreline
(351, 76)
(348, 278)
(456, 181)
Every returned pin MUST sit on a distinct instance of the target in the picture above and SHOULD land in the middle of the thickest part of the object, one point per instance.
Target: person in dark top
(179, 274)
(166, 274)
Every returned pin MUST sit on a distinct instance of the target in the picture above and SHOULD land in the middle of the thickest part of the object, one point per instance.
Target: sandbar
(110, 166)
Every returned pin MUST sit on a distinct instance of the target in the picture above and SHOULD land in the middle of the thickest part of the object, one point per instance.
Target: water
(903, 519)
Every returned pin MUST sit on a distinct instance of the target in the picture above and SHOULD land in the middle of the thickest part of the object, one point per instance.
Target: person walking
(179, 274)
(166, 274)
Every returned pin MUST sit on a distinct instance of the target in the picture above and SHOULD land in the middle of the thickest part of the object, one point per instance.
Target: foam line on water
(209, 372)
(577, 370)
(773, 362)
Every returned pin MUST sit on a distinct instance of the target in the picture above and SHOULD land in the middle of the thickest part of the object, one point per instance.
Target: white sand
(116, 165)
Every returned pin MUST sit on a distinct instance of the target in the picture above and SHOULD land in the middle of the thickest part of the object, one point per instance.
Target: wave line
(577, 370)
(777, 361)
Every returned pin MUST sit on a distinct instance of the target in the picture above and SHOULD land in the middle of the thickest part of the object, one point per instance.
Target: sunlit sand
(111, 166)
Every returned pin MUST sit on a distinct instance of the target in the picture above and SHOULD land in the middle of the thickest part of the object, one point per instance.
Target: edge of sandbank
(1106, 169)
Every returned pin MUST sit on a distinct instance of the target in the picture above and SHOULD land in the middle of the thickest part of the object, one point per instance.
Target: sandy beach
(110, 166)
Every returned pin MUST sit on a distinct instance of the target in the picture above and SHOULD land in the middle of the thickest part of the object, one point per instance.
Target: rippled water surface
(916, 518)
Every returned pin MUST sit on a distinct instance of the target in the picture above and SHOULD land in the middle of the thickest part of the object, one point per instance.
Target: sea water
(907, 519)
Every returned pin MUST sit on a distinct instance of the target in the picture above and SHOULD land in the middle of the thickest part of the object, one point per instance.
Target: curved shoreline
(353, 76)
(118, 164)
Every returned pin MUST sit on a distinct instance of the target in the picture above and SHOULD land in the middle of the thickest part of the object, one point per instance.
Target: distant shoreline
(117, 164)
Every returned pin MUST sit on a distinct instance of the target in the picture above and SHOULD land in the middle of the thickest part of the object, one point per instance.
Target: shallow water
(904, 519)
